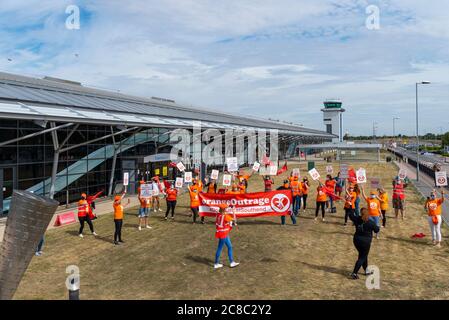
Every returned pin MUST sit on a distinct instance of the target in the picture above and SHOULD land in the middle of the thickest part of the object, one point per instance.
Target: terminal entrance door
(8, 182)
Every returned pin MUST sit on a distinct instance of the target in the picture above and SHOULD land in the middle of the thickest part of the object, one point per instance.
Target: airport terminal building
(60, 138)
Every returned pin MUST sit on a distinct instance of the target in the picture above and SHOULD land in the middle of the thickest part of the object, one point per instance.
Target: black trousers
(118, 229)
(82, 221)
(348, 211)
(304, 201)
(321, 205)
(363, 245)
(171, 205)
(384, 217)
(195, 212)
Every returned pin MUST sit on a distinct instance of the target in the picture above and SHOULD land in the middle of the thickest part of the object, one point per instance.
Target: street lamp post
(394, 127)
(417, 129)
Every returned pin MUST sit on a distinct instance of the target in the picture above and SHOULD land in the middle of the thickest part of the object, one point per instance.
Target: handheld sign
(375, 183)
(296, 172)
(125, 178)
(441, 179)
(314, 174)
(232, 164)
(353, 153)
(256, 166)
(329, 169)
(227, 178)
(344, 174)
(180, 166)
(214, 174)
(146, 190)
(361, 175)
(402, 174)
(273, 170)
(179, 182)
(188, 177)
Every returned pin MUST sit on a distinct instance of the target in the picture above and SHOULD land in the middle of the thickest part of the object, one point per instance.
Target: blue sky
(273, 59)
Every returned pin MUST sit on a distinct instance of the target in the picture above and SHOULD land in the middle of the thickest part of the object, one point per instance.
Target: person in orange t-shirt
(194, 191)
(296, 187)
(223, 224)
(234, 189)
(330, 185)
(433, 208)
(171, 195)
(118, 217)
(321, 199)
(350, 198)
(305, 186)
(374, 210)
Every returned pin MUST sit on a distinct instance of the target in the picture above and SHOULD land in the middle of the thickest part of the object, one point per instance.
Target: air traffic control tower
(333, 118)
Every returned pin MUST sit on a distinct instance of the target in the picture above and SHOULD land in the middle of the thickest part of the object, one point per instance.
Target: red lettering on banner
(65, 218)
(274, 203)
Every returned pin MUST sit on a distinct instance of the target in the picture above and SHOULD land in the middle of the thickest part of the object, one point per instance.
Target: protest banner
(146, 190)
(329, 170)
(256, 166)
(179, 182)
(361, 175)
(344, 171)
(274, 203)
(314, 174)
(180, 166)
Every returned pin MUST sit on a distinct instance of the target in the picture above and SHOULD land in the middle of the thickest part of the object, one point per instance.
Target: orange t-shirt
(373, 207)
(118, 211)
(211, 188)
(434, 207)
(350, 200)
(304, 188)
(321, 195)
(242, 188)
(233, 192)
(194, 197)
(330, 184)
(171, 194)
(296, 188)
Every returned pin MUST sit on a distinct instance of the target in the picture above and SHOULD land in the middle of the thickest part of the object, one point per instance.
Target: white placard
(146, 190)
(344, 174)
(232, 164)
(402, 174)
(256, 166)
(314, 174)
(343, 152)
(273, 170)
(188, 177)
(441, 178)
(179, 182)
(329, 169)
(125, 178)
(353, 153)
(214, 174)
(227, 179)
(361, 175)
(180, 166)
(296, 172)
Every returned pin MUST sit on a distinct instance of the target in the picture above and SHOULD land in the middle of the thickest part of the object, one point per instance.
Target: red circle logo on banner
(280, 202)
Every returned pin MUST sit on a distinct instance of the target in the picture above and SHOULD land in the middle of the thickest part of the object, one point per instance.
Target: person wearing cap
(433, 208)
(224, 223)
(268, 183)
(118, 217)
(350, 198)
(286, 186)
(321, 199)
(383, 198)
(373, 208)
(83, 215)
(194, 191)
(399, 197)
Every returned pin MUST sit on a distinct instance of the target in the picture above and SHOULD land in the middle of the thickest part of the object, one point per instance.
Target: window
(328, 128)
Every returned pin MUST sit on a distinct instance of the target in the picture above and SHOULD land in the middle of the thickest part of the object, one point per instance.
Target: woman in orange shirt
(171, 195)
(374, 210)
(433, 207)
(194, 191)
(321, 199)
(118, 217)
(350, 198)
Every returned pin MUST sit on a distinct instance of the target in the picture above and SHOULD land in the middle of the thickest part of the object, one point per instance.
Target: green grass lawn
(309, 261)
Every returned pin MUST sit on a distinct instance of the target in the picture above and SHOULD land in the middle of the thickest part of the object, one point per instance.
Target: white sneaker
(37, 253)
(148, 227)
(81, 235)
(234, 264)
(218, 266)
(94, 233)
(155, 210)
(140, 228)
(160, 209)
(323, 220)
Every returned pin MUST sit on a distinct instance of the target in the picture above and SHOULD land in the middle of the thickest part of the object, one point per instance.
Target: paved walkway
(424, 186)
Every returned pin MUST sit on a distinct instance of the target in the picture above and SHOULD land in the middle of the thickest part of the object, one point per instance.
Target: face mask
(373, 196)
(432, 197)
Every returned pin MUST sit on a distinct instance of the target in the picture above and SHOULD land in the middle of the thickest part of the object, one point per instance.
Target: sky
(272, 59)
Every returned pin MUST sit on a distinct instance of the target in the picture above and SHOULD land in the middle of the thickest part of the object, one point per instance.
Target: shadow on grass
(76, 234)
(259, 222)
(329, 269)
(200, 260)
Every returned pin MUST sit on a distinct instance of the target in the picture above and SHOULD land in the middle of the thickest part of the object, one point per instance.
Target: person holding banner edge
(224, 223)
(286, 186)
